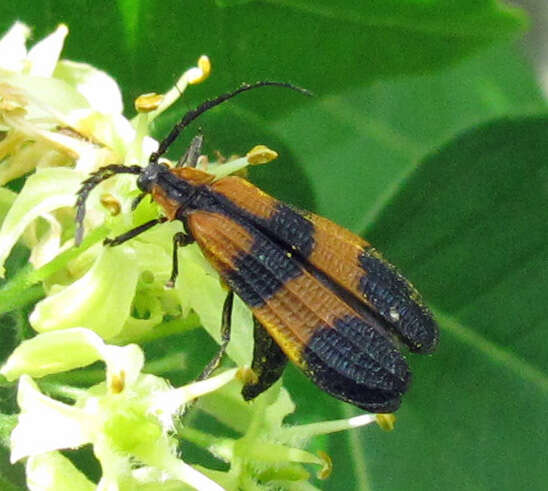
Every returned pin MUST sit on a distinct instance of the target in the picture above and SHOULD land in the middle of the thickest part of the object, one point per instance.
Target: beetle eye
(143, 182)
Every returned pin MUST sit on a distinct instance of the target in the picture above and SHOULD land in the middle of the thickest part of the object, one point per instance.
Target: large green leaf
(324, 46)
(470, 226)
(360, 144)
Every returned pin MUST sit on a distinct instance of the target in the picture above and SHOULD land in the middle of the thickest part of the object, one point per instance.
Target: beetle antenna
(87, 186)
(108, 171)
(194, 113)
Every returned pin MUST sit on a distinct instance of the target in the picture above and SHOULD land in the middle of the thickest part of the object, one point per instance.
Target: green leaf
(342, 44)
(232, 3)
(325, 46)
(130, 11)
(355, 148)
(469, 227)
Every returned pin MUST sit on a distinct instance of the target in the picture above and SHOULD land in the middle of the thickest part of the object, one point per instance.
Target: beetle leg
(225, 337)
(134, 232)
(180, 239)
(137, 200)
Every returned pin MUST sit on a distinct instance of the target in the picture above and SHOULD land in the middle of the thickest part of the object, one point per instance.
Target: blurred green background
(428, 135)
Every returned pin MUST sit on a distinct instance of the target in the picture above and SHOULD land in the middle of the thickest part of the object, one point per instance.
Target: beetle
(321, 296)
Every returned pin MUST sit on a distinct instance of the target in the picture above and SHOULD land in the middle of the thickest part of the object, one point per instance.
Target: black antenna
(194, 113)
(108, 171)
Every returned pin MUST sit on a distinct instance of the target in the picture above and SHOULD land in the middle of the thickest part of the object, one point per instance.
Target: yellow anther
(386, 421)
(325, 471)
(118, 382)
(260, 154)
(111, 204)
(148, 102)
(201, 72)
(247, 376)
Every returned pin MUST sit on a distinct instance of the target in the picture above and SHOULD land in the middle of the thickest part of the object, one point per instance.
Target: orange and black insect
(321, 296)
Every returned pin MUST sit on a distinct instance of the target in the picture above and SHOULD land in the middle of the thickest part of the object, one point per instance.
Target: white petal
(53, 352)
(189, 475)
(52, 471)
(48, 100)
(123, 363)
(12, 47)
(99, 88)
(100, 300)
(49, 245)
(45, 424)
(44, 55)
(165, 404)
(43, 192)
